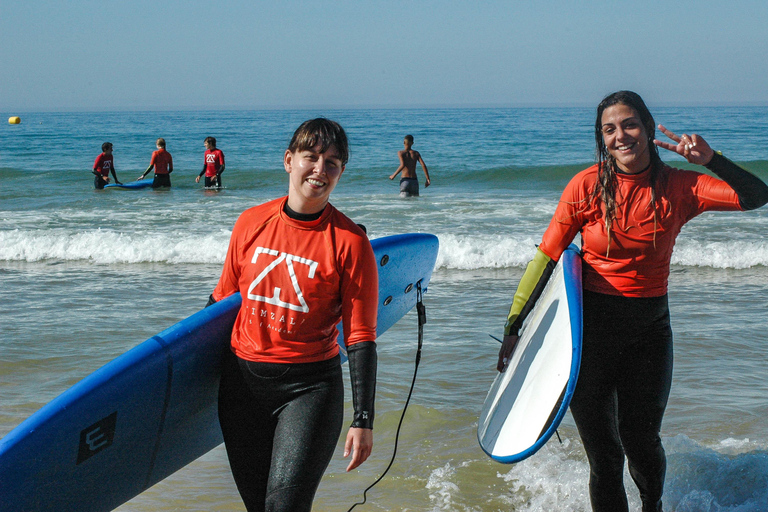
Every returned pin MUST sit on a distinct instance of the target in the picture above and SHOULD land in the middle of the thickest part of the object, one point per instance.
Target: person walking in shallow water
(301, 267)
(629, 209)
(409, 183)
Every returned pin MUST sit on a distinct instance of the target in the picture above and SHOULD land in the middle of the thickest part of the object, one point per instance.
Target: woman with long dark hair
(629, 209)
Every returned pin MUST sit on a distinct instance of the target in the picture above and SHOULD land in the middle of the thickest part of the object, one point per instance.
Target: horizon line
(476, 106)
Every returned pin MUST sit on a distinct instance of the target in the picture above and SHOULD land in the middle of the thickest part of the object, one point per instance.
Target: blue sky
(137, 54)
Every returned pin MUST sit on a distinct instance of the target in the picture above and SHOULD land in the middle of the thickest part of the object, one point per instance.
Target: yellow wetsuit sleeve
(528, 291)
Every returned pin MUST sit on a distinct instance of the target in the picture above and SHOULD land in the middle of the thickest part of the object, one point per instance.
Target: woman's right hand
(507, 347)
(360, 444)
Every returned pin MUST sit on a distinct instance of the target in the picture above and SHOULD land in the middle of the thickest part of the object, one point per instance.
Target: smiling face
(625, 138)
(313, 176)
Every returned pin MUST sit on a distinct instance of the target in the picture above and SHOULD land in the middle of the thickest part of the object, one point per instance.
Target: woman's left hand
(692, 147)
(359, 444)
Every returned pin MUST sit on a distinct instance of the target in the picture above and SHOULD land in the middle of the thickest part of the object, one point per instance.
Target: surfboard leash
(422, 314)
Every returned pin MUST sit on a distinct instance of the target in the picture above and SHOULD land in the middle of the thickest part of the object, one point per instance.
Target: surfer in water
(628, 208)
(301, 266)
(409, 183)
(162, 162)
(213, 164)
(103, 165)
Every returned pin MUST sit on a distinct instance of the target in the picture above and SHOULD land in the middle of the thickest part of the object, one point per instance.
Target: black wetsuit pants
(621, 394)
(161, 180)
(281, 423)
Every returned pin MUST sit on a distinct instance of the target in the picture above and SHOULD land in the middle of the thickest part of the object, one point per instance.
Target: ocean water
(87, 275)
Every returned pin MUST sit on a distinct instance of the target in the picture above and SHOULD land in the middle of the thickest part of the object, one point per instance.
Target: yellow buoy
(14, 120)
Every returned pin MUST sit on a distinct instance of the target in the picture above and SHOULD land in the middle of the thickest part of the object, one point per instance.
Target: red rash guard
(104, 164)
(162, 161)
(214, 159)
(297, 280)
(633, 267)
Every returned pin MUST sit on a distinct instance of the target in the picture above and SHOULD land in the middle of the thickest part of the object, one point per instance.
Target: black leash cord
(422, 320)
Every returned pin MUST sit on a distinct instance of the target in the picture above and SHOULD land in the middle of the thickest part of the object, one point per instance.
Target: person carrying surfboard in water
(301, 266)
(213, 164)
(628, 208)
(103, 165)
(409, 183)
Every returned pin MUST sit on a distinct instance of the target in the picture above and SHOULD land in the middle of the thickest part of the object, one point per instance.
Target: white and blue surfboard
(131, 185)
(153, 410)
(529, 399)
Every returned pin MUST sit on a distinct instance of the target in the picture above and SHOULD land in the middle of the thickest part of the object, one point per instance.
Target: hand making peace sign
(692, 147)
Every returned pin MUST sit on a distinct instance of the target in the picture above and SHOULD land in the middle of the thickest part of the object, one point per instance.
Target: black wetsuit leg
(161, 180)
(281, 423)
(621, 395)
(98, 182)
(213, 181)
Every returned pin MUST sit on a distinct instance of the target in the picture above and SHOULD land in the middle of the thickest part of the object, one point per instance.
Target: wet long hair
(320, 131)
(607, 183)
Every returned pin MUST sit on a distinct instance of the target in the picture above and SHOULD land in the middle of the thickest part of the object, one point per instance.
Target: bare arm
(426, 172)
(402, 165)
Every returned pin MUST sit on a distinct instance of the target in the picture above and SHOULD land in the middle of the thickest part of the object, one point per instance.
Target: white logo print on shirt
(289, 260)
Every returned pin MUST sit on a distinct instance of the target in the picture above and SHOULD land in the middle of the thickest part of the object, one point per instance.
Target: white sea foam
(497, 251)
(460, 252)
(442, 487)
(103, 246)
(553, 479)
(729, 477)
(736, 254)
(484, 251)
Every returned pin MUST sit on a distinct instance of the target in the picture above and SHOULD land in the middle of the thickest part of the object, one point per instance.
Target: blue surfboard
(132, 185)
(153, 410)
(529, 399)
